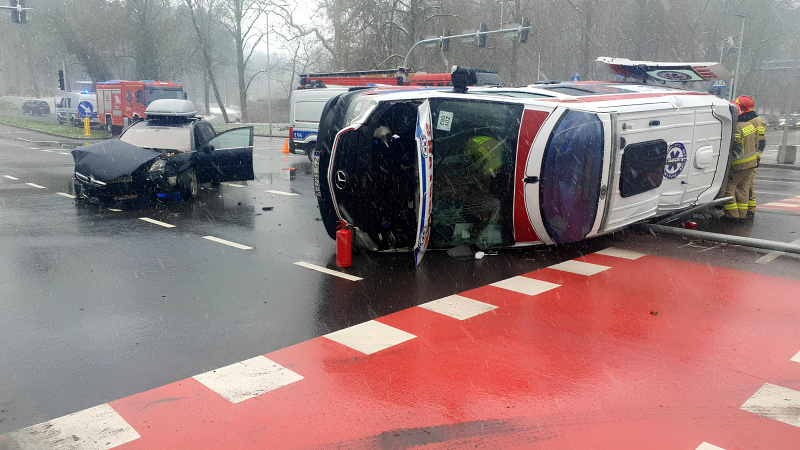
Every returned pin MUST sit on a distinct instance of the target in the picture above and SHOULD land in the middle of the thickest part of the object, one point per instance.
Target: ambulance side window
(642, 167)
(140, 96)
(128, 97)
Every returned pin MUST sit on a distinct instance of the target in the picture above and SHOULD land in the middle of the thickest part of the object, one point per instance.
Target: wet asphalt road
(98, 304)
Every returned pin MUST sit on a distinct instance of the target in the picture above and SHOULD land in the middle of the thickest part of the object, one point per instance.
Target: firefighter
(746, 150)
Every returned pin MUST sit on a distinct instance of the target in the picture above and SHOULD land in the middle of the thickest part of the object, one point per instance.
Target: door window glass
(236, 138)
(642, 167)
(572, 168)
(128, 97)
(139, 96)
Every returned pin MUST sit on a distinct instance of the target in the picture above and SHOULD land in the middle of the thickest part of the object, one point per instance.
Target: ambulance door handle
(531, 180)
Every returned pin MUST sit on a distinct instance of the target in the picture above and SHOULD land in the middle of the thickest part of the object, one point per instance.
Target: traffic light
(523, 36)
(61, 84)
(482, 37)
(445, 41)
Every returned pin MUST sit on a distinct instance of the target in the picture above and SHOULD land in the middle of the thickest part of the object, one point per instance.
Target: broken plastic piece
(479, 255)
(267, 208)
(461, 252)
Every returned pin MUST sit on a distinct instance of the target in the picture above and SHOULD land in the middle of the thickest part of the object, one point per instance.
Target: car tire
(187, 184)
(310, 149)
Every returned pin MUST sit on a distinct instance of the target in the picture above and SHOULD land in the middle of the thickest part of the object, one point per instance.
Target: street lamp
(738, 60)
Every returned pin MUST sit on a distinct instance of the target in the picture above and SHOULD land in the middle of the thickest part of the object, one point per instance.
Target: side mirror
(207, 149)
(185, 97)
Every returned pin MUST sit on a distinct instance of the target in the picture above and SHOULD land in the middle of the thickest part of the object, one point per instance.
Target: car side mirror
(208, 149)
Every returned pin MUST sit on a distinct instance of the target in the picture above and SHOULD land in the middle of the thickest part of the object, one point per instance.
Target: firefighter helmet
(746, 104)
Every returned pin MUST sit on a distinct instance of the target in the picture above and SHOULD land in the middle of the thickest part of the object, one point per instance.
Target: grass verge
(51, 128)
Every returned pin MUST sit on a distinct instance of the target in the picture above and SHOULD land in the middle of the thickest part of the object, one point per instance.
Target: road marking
(525, 285)
(114, 209)
(281, 192)
(36, 186)
(34, 148)
(165, 225)
(64, 153)
(620, 253)
(95, 428)
(772, 255)
(796, 358)
(707, 446)
(775, 402)
(458, 307)
(579, 267)
(786, 205)
(223, 241)
(328, 271)
(248, 379)
(10, 177)
(370, 337)
(234, 185)
(64, 194)
(48, 151)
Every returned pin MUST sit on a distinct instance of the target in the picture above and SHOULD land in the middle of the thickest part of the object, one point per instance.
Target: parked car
(305, 111)
(36, 107)
(772, 120)
(167, 154)
(544, 164)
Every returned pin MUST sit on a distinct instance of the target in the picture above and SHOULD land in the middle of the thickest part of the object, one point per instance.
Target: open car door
(232, 156)
(423, 137)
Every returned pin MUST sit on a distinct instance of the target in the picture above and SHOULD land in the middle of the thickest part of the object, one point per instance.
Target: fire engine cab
(120, 102)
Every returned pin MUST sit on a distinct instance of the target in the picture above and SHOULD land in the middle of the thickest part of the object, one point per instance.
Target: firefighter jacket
(748, 142)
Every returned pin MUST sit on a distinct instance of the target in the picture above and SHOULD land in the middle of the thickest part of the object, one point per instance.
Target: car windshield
(473, 169)
(159, 137)
(152, 94)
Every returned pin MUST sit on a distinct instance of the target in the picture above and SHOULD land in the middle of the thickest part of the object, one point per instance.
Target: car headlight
(158, 166)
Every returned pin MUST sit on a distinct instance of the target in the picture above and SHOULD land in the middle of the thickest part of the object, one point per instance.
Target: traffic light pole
(476, 34)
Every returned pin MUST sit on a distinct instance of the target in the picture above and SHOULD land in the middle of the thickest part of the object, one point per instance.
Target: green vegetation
(14, 103)
(51, 128)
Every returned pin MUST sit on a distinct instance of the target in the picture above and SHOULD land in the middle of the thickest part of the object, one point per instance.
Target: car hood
(111, 159)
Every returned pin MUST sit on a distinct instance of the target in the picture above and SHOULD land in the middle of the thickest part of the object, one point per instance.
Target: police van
(74, 106)
(304, 113)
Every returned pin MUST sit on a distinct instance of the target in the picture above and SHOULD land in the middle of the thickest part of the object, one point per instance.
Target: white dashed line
(796, 358)
(248, 379)
(234, 185)
(707, 446)
(48, 151)
(620, 253)
(34, 148)
(281, 192)
(10, 177)
(775, 402)
(525, 285)
(458, 307)
(165, 225)
(370, 337)
(114, 209)
(64, 153)
(579, 267)
(772, 255)
(36, 186)
(328, 271)
(95, 428)
(64, 194)
(785, 205)
(223, 241)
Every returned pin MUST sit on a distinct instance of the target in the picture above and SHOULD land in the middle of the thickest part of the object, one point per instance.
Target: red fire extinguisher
(344, 245)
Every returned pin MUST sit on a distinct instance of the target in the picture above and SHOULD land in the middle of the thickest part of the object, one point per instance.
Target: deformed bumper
(126, 189)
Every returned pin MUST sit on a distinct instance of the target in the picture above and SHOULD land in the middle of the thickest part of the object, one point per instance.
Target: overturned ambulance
(410, 169)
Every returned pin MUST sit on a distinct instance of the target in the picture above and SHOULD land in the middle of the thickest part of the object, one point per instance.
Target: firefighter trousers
(739, 188)
(751, 204)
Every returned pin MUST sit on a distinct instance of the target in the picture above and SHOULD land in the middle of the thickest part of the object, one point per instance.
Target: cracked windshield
(562, 224)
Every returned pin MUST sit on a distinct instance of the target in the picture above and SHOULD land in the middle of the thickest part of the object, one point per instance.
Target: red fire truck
(390, 77)
(120, 102)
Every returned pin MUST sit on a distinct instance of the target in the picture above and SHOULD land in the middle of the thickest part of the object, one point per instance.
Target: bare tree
(204, 46)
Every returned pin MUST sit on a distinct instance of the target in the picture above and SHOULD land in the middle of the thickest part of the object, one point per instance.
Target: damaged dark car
(167, 155)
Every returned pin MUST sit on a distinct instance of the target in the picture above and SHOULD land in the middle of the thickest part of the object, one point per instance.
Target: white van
(304, 114)
(74, 106)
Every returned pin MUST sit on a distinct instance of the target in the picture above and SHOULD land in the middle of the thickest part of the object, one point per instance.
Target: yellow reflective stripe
(761, 130)
(751, 203)
(758, 153)
(748, 130)
(733, 206)
(744, 160)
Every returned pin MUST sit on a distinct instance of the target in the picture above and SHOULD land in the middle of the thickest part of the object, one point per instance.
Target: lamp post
(738, 60)
(269, 85)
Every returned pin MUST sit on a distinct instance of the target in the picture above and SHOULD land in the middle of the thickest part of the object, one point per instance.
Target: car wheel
(310, 149)
(187, 183)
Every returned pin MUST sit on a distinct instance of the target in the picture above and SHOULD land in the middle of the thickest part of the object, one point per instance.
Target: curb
(780, 166)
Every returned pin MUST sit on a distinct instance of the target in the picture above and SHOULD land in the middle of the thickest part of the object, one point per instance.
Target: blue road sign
(575, 78)
(85, 108)
(719, 84)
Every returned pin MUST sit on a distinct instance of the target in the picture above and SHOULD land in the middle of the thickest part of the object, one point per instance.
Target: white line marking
(775, 402)
(328, 271)
(114, 209)
(707, 446)
(36, 186)
(247, 379)
(370, 337)
(64, 153)
(165, 225)
(48, 151)
(786, 205)
(525, 285)
(281, 192)
(223, 241)
(796, 358)
(772, 255)
(579, 267)
(10, 177)
(95, 428)
(64, 194)
(458, 307)
(234, 185)
(34, 148)
(620, 253)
